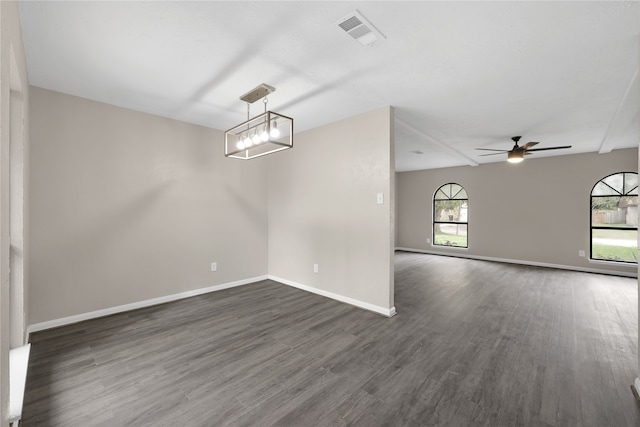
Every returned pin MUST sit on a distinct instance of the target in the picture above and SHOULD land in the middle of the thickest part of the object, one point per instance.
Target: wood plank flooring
(474, 343)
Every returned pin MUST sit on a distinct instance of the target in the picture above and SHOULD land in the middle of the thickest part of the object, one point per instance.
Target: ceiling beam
(468, 160)
(629, 107)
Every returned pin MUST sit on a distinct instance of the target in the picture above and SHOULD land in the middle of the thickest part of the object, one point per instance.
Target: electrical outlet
(581, 253)
(428, 240)
(214, 266)
(315, 268)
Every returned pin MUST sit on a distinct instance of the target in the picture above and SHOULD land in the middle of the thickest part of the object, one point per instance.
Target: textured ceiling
(460, 75)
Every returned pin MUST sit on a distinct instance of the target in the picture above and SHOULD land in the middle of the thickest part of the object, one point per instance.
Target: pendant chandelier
(264, 134)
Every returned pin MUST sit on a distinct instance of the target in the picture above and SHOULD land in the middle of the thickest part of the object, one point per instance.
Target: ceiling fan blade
(490, 154)
(529, 144)
(550, 148)
(491, 149)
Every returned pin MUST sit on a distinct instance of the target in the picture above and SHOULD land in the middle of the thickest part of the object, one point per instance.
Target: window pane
(614, 211)
(450, 210)
(450, 191)
(630, 205)
(464, 211)
(615, 182)
(441, 195)
(604, 211)
(601, 189)
(605, 203)
(454, 189)
(631, 183)
(614, 245)
(450, 235)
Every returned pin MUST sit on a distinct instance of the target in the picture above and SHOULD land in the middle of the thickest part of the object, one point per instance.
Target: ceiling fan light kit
(515, 156)
(264, 134)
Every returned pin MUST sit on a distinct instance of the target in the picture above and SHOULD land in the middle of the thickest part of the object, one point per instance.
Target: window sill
(613, 263)
(18, 363)
(457, 248)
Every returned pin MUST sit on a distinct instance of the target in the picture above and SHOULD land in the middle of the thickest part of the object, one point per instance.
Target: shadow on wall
(111, 225)
(242, 204)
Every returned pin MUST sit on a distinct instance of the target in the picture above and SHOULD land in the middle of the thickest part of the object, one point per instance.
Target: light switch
(380, 198)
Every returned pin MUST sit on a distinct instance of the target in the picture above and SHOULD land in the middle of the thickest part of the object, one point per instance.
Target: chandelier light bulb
(240, 145)
(247, 141)
(264, 136)
(274, 130)
(256, 138)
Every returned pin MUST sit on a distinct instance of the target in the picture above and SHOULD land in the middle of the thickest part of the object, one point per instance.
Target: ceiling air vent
(360, 29)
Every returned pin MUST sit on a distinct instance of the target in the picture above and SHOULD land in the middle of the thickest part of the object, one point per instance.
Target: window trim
(597, 227)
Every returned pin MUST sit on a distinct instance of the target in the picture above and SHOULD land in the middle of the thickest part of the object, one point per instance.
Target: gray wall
(537, 211)
(127, 206)
(323, 209)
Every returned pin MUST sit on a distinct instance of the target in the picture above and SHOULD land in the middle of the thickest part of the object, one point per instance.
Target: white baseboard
(135, 305)
(522, 262)
(388, 312)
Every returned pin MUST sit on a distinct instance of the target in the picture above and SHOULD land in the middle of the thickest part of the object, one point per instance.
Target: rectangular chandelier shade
(264, 134)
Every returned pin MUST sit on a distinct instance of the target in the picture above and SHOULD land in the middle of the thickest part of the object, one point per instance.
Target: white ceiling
(460, 75)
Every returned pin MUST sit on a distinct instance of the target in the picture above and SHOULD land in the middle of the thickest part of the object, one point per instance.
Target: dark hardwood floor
(474, 343)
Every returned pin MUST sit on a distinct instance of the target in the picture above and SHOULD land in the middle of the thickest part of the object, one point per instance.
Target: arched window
(450, 214)
(614, 218)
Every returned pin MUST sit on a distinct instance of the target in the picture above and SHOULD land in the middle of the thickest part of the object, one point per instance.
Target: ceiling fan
(517, 153)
